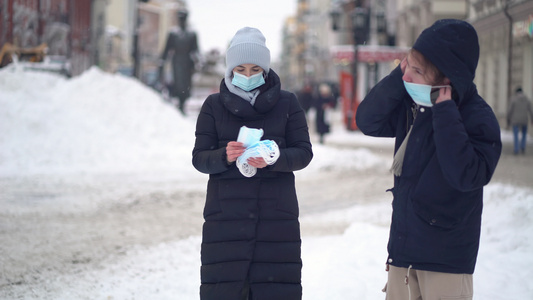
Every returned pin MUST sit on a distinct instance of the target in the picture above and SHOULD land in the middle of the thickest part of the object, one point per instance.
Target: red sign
(349, 101)
(368, 53)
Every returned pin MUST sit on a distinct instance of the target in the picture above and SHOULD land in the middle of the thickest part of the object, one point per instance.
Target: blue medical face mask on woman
(248, 83)
(421, 93)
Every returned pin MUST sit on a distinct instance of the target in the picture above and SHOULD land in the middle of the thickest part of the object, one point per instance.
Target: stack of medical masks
(251, 139)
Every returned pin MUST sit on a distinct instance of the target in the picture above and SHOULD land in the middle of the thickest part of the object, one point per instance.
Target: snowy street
(99, 200)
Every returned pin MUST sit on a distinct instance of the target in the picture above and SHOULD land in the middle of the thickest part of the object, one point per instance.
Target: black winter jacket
(182, 46)
(251, 235)
(451, 154)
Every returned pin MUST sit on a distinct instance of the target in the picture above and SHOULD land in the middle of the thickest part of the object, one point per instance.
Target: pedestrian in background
(251, 235)
(446, 150)
(519, 113)
(182, 47)
(306, 97)
(324, 104)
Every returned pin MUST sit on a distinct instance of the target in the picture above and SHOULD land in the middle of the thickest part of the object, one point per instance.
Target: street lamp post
(359, 30)
(135, 53)
(136, 50)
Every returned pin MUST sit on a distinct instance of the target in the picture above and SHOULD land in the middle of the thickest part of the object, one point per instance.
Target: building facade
(413, 16)
(71, 30)
(505, 30)
(136, 35)
(307, 38)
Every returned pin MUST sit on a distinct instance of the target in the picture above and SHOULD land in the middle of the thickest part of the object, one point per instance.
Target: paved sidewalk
(515, 169)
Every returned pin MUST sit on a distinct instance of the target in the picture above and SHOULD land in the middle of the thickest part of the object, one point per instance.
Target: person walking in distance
(324, 104)
(519, 113)
(306, 97)
(182, 46)
(446, 150)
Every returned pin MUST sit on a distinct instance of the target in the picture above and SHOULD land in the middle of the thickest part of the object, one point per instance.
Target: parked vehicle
(55, 35)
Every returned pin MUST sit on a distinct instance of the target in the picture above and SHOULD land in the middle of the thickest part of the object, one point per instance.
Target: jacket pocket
(436, 211)
(439, 204)
(287, 200)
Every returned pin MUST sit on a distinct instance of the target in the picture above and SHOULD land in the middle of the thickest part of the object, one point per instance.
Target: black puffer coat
(251, 234)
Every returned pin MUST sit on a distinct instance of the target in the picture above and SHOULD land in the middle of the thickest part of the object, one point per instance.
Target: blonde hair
(431, 72)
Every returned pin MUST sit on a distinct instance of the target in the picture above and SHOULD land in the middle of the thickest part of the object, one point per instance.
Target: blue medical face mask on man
(421, 93)
(248, 83)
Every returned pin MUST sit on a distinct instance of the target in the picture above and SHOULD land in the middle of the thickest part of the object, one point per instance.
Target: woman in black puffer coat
(251, 235)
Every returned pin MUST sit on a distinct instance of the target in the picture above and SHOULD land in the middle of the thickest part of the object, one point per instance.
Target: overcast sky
(216, 21)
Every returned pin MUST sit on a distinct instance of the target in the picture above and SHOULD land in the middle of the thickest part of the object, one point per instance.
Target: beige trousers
(411, 284)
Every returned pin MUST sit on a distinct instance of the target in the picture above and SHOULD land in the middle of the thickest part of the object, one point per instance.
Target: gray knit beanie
(247, 47)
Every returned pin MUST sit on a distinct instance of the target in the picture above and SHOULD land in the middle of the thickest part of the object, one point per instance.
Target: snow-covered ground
(100, 127)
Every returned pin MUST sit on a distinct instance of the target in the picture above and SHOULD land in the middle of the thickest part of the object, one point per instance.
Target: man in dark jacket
(447, 148)
(251, 235)
(519, 112)
(324, 103)
(182, 46)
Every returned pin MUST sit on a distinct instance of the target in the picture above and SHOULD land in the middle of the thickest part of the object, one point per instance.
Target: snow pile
(95, 123)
